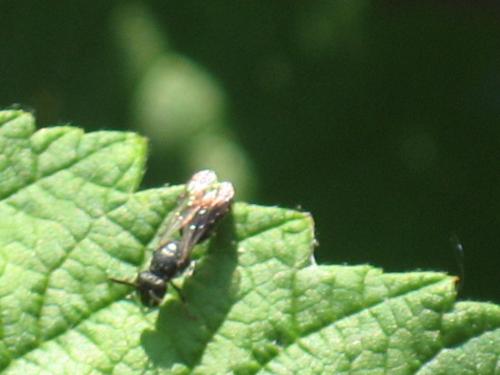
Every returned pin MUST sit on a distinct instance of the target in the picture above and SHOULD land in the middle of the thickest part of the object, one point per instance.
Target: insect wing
(188, 203)
(200, 182)
(176, 221)
(186, 245)
(210, 209)
(200, 185)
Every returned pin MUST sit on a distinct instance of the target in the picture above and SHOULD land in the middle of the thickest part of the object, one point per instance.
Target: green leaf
(70, 218)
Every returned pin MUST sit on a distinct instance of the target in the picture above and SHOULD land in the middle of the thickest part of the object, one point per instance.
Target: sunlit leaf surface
(70, 218)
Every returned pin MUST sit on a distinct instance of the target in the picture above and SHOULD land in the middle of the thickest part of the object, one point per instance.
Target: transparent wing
(186, 245)
(176, 220)
(210, 208)
(187, 205)
(200, 182)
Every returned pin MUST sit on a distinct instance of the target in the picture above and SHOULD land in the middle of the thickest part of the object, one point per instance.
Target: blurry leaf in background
(331, 27)
(175, 100)
(139, 39)
(178, 105)
(419, 151)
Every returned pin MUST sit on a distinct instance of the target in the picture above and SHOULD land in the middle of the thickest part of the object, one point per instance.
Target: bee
(204, 202)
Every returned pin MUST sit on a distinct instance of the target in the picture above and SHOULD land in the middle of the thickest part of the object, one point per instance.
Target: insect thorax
(165, 262)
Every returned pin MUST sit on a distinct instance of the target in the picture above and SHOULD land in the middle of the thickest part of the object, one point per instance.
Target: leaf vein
(62, 168)
(458, 345)
(348, 316)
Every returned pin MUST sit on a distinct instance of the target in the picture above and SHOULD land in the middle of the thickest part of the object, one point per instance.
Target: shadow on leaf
(183, 330)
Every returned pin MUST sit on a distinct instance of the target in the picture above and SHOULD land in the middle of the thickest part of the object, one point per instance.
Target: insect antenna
(132, 284)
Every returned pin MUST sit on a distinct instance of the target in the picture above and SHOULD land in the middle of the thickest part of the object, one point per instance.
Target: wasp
(204, 202)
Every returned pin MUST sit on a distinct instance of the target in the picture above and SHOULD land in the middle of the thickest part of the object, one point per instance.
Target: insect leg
(178, 290)
(154, 297)
(190, 269)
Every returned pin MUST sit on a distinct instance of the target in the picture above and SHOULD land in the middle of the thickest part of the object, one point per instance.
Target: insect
(204, 202)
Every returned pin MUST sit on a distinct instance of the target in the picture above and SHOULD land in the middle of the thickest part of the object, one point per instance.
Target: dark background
(381, 118)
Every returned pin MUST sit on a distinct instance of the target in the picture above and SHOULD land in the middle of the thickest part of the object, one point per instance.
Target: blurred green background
(381, 118)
